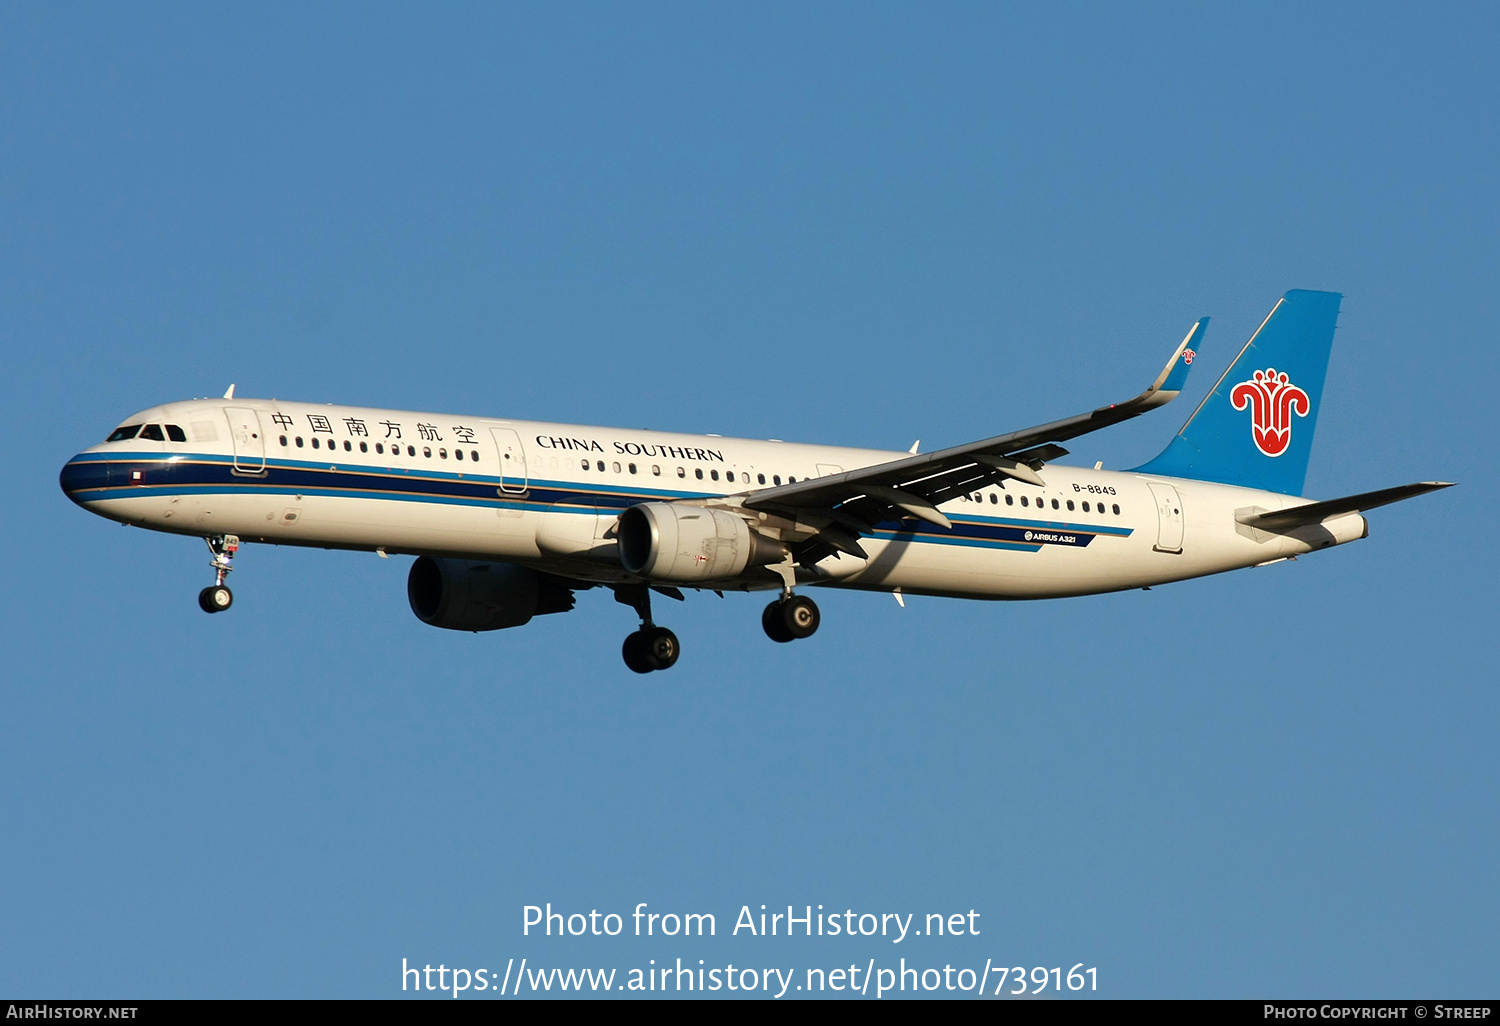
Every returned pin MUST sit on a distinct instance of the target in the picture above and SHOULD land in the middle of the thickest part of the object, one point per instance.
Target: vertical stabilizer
(1255, 428)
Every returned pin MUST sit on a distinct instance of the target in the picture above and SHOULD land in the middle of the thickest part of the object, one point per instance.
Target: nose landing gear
(217, 598)
(790, 618)
(651, 647)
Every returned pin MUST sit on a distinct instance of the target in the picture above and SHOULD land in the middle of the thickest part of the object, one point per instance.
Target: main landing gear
(651, 647)
(218, 598)
(790, 617)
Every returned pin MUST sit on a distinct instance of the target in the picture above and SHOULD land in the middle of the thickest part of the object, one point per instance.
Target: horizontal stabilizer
(1317, 512)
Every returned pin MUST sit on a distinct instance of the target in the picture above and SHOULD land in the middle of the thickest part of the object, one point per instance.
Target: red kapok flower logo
(1272, 399)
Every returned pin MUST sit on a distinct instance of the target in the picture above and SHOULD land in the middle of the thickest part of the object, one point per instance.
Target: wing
(839, 508)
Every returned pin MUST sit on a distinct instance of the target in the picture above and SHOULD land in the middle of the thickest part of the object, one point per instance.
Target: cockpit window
(176, 433)
(123, 433)
(153, 432)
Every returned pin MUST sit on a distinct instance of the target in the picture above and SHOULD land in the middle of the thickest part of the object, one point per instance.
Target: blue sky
(855, 224)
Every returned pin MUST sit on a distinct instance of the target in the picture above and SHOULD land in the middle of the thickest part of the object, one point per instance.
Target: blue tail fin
(1256, 426)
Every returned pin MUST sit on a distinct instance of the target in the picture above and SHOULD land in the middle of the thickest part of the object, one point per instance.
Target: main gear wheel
(791, 618)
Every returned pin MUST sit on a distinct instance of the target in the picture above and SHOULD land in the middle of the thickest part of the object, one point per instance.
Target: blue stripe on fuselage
(92, 477)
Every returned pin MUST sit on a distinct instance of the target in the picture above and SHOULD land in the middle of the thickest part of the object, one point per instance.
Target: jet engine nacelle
(462, 595)
(668, 541)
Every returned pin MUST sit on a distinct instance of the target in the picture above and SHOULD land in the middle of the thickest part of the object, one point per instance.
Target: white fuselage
(547, 496)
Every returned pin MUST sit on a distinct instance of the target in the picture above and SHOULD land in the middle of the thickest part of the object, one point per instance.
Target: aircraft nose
(81, 475)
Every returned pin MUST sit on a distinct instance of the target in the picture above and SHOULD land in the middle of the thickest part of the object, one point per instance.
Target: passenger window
(585, 464)
(1085, 505)
(600, 465)
(299, 441)
(1116, 508)
(776, 478)
(617, 468)
(315, 442)
(153, 432)
(760, 478)
(364, 446)
(411, 450)
(427, 451)
(714, 474)
(1054, 503)
(1070, 505)
(1024, 502)
(681, 472)
(122, 434)
(1010, 500)
(176, 433)
(655, 470)
(630, 467)
(729, 476)
(791, 480)
(348, 446)
(474, 456)
(994, 499)
(698, 473)
(283, 441)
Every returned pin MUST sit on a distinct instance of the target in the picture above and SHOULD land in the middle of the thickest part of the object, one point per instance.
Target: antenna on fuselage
(229, 392)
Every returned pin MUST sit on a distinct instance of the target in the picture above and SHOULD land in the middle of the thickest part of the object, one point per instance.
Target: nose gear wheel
(218, 598)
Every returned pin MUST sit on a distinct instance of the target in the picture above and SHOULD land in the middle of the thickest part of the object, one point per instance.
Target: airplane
(508, 518)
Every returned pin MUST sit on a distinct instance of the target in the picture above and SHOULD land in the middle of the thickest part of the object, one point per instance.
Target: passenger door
(512, 460)
(1168, 517)
(249, 442)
